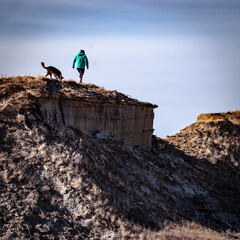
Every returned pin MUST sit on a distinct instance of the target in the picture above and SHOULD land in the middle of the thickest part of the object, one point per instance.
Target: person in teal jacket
(80, 61)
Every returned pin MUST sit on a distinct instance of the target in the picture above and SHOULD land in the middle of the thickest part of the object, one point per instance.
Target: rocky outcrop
(233, 116)
(91, 109)
(215, 137)
(133, 124)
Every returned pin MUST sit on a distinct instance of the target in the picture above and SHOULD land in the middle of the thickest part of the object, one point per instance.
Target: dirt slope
(58, 183)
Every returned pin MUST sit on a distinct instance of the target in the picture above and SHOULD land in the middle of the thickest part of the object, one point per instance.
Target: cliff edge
(84, 107)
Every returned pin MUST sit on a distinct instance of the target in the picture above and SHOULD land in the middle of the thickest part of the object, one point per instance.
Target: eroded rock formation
(214, 136)
(233, 116)
(90, 109)
(133, 124)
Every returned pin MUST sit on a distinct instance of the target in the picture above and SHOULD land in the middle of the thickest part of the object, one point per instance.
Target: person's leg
(81, 72)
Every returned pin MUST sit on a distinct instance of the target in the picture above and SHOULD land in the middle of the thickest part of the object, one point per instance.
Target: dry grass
(171, 231)
(189, 230)
(233, 116)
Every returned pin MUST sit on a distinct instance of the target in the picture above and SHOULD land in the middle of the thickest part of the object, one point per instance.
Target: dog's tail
(42, 63)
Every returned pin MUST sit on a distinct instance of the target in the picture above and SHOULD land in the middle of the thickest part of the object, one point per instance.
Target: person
(80, 61)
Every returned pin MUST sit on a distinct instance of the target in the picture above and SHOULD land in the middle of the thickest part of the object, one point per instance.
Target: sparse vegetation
(58, 183)
(172, 231)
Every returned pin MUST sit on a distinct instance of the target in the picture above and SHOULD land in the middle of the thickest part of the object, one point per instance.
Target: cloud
(143, 17)
(70, 17)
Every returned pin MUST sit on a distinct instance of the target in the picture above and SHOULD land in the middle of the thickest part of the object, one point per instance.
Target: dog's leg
(48, 73)
(56, 76)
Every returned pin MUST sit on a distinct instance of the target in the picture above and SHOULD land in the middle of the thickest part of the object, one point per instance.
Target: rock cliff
(90, 109)
(214, 136)
(57, 182)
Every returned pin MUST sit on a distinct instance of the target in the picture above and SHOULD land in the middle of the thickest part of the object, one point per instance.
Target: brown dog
(52, 70)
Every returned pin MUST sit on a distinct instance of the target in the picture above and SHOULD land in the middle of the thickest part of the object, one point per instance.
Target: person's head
(82, 51)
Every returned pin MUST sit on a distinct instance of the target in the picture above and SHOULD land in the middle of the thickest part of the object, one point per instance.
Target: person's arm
(86, 61)
(74, 62)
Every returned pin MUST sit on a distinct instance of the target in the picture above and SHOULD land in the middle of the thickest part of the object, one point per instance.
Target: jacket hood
(81, 54)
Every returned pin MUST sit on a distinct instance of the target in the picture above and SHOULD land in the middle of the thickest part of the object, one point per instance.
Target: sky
(183, 55)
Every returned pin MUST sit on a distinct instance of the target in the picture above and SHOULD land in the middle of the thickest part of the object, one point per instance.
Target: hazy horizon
(181, 55)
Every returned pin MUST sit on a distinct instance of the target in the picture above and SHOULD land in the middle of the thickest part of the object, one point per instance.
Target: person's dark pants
(81, 72)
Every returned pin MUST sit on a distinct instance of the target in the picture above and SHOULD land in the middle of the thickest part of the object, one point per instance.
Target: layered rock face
(132, 124)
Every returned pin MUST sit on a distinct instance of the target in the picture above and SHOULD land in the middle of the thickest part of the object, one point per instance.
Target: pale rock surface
(133, 124)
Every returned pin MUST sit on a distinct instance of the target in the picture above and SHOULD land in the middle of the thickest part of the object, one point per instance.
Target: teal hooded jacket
(80, 61)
